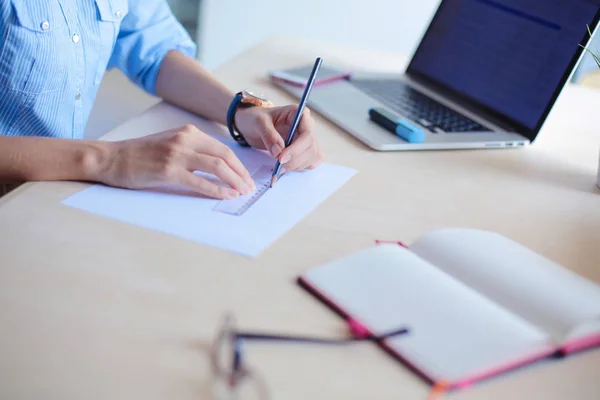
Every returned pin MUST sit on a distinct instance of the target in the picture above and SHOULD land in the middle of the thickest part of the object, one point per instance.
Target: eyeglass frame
(238, 371)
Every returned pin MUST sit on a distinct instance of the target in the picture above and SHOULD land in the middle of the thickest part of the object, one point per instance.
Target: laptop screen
(510, 56)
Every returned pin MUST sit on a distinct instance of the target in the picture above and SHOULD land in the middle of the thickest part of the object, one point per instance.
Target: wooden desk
(91, 308)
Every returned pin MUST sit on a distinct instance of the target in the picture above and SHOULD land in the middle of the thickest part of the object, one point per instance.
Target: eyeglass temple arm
(307, 339)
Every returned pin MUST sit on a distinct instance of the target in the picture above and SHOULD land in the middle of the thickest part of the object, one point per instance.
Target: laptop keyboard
(404, 100)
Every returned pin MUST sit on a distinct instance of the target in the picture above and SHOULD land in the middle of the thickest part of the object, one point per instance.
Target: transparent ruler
(241, 204)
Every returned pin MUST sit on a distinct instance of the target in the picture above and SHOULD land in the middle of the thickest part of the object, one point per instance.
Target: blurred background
(223, 29)
(389, 25)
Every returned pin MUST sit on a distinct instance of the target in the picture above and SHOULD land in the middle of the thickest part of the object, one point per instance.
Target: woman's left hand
(266, 128)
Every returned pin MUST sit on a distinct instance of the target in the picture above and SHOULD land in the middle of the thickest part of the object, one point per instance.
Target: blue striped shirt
(54, 54)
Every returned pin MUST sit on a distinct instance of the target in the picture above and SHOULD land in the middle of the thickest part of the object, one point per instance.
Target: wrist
(96, 159)
(243, 100)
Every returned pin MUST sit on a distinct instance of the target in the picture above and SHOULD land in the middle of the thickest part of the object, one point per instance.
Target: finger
(315, 164)
(298, 147)
(272, 140)
(220, 168)
(307, 122)
(300, 162)
(292, 113)
(205, 144)
(212, 147)
(304, 139)
(205, 187)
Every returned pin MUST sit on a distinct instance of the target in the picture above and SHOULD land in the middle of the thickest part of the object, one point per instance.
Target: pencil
(298, 116)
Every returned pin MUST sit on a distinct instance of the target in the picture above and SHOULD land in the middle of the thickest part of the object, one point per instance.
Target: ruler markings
(243, 203)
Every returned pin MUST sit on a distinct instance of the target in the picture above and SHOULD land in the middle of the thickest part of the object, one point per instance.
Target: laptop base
(347, 107)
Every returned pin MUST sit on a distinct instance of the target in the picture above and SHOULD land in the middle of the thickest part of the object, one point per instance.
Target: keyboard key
(416, 106)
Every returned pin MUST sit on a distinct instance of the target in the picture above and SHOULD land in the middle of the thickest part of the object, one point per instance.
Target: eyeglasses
(234, 379)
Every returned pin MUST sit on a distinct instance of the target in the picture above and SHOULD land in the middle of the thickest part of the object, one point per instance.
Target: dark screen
(508, 55)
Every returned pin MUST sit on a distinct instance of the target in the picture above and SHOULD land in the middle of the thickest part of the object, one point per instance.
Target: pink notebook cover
(463, 383)
(569, 348)
(581, 344)
(318, 82)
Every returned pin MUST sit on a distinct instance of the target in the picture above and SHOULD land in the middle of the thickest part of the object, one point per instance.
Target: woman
(52, 60)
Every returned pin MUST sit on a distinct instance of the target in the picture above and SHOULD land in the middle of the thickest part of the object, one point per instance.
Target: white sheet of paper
(181, 213)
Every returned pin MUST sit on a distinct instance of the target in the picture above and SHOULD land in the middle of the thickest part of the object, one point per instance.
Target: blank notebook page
(548, 295)
(455, 333)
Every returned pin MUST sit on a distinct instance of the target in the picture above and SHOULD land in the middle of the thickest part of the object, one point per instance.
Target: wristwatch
(243, 99)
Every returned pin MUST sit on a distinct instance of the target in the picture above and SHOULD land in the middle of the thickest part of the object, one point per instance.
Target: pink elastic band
(357, 329)
(389, 242)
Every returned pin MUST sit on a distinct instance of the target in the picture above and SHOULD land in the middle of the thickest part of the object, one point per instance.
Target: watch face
(252, 95)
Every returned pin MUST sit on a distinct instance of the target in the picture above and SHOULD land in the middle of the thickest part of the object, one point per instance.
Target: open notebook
(477, 304)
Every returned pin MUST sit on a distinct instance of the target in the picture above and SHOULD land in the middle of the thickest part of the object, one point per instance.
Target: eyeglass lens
(236, 380)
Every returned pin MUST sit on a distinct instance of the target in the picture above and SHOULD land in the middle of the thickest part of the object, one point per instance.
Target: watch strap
(233, 107)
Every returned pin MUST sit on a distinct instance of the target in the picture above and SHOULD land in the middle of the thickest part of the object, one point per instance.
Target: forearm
(185, 83)
(46, 159)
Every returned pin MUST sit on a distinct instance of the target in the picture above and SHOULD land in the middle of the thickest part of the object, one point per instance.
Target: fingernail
(286, 158)
(276, 150)
(245, 189)
(232, 193)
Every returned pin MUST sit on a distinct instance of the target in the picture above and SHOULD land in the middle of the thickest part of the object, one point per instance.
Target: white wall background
(228, 27)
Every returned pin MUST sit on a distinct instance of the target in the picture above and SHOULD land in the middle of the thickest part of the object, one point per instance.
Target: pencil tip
(273, 180)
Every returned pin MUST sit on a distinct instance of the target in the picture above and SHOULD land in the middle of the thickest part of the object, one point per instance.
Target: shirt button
(118, 14)
(45, 25)
(75, 38)
(78, 96)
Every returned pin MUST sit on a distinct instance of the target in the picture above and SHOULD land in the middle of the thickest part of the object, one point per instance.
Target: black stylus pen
(298, 116)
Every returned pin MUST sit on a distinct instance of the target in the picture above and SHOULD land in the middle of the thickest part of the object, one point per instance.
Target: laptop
(485, 74)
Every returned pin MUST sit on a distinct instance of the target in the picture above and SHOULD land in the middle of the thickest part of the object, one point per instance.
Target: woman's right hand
(170, 158)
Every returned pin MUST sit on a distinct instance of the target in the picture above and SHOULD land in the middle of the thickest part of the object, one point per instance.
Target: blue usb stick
(407, 130)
